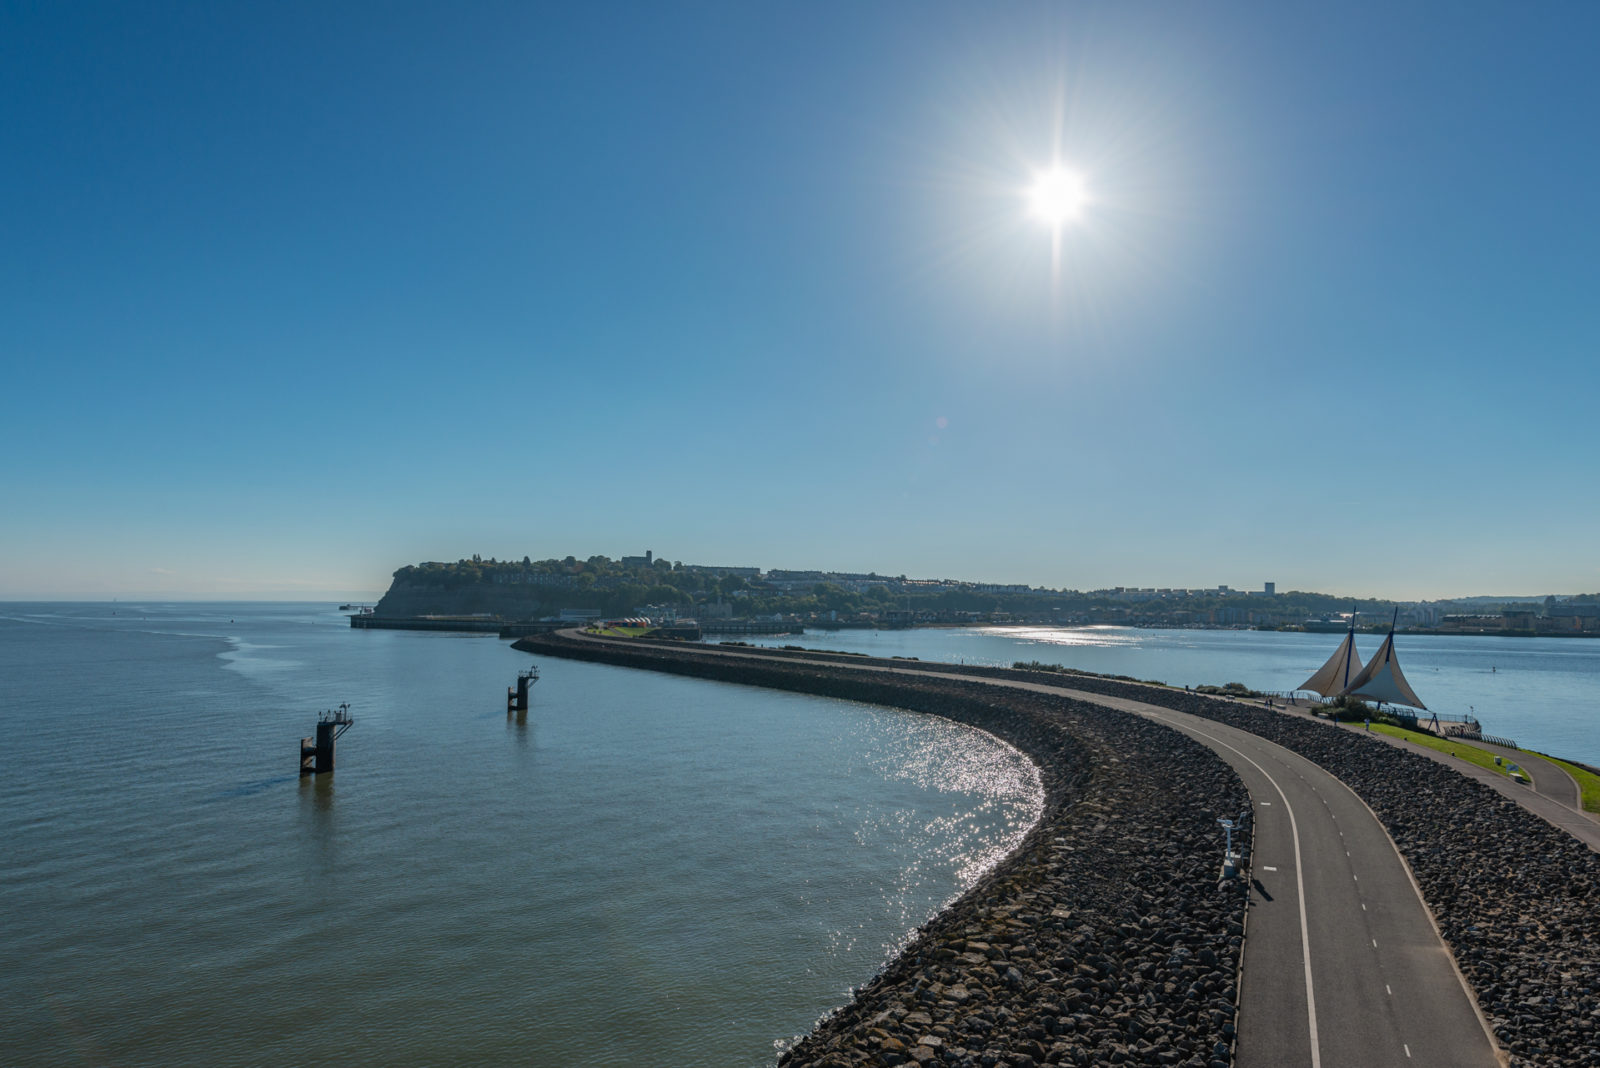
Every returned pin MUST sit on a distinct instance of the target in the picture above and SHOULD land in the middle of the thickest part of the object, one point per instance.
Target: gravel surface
(1517, 900)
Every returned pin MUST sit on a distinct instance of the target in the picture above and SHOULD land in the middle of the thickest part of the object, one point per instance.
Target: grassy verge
(1446, 745)
(620, 632)
(1588, 783)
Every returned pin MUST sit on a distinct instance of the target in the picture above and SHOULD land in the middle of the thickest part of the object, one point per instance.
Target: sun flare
(1057, 196)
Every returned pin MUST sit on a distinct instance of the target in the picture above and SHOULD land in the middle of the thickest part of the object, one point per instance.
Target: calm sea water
(650, 870)
(1542, 692)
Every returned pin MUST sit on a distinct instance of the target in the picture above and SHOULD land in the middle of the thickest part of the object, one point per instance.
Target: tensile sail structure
(1382, 680)
(1342, 667)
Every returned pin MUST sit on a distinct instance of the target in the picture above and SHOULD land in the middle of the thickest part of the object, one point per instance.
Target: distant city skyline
(1066, 295)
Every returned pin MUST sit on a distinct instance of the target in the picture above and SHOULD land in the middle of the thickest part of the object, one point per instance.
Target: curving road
(1339, 940)
(1554, 796)
(1343, 966)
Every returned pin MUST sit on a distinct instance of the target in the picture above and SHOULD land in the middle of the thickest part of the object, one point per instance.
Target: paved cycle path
(1554, 796)
(1343, 966)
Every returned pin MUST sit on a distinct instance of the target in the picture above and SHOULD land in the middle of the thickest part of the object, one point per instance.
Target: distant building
(1572, 617)
(735, 572)
(639, 561)
(1270, 589)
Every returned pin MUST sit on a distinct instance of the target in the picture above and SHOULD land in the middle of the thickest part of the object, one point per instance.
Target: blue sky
(296, 296)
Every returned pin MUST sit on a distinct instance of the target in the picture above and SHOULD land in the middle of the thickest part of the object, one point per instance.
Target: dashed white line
(1300, 883)
(1406, 1048)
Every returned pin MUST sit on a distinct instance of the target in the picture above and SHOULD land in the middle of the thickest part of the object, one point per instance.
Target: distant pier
(749, 626)
(458, 624)
(469, 624)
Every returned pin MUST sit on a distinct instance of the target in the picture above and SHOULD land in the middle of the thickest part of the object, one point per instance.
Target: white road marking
(1386, 990)
(1266, 868)
(1156, 713)
(1374, 943)
(1406, 1048)
(1300, 885)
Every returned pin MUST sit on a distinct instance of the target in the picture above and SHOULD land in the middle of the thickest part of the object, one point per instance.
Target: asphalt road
(1554, 797)
(1342, 963)
(1549, 779)
(1343, 967)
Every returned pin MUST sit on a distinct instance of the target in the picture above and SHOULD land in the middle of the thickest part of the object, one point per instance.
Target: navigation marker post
(517, 700)
(317, 757)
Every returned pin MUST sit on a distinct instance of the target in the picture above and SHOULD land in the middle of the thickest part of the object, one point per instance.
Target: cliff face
(507, 602)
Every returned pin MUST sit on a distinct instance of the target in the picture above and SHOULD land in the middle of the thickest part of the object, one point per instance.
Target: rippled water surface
(1542, 692)
(649, 870)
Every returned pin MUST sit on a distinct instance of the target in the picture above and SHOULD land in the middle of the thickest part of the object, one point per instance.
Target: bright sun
(1057, 196)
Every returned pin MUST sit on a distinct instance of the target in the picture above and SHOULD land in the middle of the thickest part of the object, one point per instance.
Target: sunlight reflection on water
(648, 870)
(1101, 637)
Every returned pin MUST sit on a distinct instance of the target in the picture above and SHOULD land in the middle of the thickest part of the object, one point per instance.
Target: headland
(516, 592)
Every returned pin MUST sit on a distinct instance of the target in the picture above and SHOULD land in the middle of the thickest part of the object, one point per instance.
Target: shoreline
(1090, 937)
(1490, 871)
(510, 628)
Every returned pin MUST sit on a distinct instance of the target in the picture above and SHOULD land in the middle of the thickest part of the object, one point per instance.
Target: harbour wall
(1103, 937)
(1516, 899)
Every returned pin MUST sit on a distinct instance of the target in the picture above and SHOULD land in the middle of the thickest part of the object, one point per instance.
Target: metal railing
(1311, 697)
(1475, 736)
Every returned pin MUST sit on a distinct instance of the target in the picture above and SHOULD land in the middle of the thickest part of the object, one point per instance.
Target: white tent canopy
(1383, 681)
(1344, 665)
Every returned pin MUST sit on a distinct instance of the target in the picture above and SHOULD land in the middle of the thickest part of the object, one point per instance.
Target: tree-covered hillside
(526, 588)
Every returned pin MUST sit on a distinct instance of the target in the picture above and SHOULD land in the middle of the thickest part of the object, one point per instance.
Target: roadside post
(1230, 859)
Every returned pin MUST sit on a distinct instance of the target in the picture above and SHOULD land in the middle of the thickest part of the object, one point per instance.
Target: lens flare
(1057, 196)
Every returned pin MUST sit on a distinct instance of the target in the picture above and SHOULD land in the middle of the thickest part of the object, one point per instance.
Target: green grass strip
(1588, 782)
(1453, 746)
(619, 632)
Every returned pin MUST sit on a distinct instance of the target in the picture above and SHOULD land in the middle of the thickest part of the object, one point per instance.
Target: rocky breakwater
(1517, 899)
(1105, 938)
